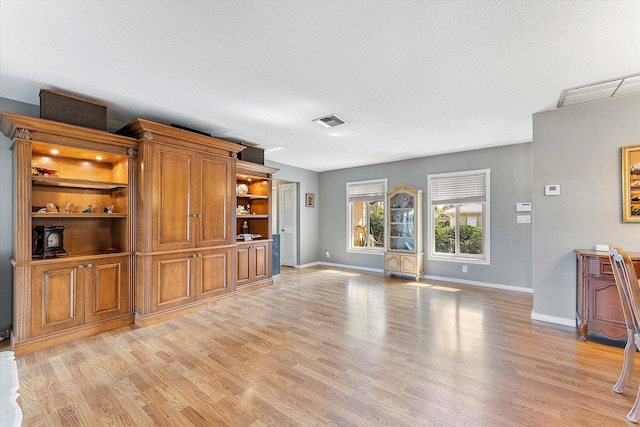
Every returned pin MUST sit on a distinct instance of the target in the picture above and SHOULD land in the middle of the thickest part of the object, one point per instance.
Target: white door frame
(288, 223)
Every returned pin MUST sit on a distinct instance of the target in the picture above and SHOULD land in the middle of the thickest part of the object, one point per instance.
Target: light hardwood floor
(334, 347)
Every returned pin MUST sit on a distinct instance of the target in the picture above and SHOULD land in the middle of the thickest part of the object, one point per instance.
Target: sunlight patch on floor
(430, 286)
(342, 273)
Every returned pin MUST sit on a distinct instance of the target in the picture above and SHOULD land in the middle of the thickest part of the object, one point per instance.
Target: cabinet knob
(199, 255)
(80, 267)
(89, 265)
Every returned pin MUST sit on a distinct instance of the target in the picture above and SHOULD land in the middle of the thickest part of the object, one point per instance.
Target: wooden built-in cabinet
(88, 289)
(148, 223)
(404, 255)
(185, 240)
(598, 307)
(254, 263)
(253, 212)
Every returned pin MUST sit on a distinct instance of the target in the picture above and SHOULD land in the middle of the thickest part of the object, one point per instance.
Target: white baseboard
(439, 278)
(553, 319)
(351, 267)
(481, 284)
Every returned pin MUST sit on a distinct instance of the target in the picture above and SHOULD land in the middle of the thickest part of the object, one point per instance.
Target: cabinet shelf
(252, 196)
(80, 255)
(252, 216)
(79, 215)
(75, 183)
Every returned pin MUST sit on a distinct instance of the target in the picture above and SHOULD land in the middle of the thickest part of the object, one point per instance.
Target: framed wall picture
(631, 183)
(310, 200)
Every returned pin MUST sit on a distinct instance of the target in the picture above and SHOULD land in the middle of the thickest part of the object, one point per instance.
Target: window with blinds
(365, 216)
(458, 209)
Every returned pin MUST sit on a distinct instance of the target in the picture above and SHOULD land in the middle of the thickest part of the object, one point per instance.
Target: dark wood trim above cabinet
(157, 132)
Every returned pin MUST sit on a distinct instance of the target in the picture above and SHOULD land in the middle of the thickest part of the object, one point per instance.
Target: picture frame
(631, 183)
(310, 200)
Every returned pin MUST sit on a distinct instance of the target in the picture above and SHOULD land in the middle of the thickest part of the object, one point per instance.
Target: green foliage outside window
(470, 239)
(376, 224)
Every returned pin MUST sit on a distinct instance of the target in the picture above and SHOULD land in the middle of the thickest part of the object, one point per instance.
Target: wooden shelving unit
(87, 288)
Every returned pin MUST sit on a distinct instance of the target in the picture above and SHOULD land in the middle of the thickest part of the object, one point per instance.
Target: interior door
(287, 212)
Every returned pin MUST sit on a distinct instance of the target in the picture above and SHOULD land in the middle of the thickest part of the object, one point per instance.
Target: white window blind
(467, 188)
(366, 191)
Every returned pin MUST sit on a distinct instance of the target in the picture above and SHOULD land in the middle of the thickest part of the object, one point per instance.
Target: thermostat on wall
(552, 190)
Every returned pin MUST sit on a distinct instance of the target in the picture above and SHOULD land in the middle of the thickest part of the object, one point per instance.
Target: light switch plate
(523, 207)
(524, 219)
(552, 190)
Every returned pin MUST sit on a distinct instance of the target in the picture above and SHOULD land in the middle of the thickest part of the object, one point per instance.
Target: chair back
(628, 287)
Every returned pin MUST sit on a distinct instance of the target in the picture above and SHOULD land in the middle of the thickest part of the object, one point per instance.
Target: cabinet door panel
(106, 289)
(215, 189)
(408, 264)
(243, 265)
(58, 297)
(172, 175)
(261, 261)
(605, 301)
(173, 280)
(215, 273)
(392, 262)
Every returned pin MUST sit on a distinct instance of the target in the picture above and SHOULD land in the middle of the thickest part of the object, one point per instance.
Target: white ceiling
(411, 78)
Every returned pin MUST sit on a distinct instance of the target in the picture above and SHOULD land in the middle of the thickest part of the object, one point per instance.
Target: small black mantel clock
(49, 241)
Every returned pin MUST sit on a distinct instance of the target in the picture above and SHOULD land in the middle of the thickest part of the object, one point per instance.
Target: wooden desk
(598, 303)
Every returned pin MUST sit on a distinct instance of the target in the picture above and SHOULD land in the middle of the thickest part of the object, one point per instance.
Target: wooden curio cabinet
(404, 255)
(253, 217)
(185, 253)
(77, 181)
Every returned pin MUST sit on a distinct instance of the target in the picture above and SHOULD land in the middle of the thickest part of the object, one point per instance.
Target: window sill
(366, 251)
(461, 260)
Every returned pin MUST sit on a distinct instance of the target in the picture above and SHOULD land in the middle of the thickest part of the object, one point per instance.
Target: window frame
(485, 258)
(350, 226)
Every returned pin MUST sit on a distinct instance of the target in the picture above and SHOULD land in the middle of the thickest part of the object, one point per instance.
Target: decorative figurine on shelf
(89, 209)
(35, 170)
(108, 209)
(242, 189)
(245, 227)
(240, 210)
(248, 208)
(52, 208)
(68, 208)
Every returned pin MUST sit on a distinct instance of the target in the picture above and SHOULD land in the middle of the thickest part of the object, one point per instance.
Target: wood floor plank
(327, 346)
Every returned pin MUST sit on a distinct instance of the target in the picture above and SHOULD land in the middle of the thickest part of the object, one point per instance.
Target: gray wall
(6, 211)
(579, 148)
(308, 218)
(511, 243)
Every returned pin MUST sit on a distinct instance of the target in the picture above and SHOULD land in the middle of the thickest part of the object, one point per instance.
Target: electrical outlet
(464, 268)
(327, 254)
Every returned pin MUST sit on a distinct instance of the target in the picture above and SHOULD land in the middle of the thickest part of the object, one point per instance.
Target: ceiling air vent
(598, 91)
(330, 121)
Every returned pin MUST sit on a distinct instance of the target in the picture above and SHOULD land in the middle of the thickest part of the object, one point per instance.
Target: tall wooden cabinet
(253, 217)
(186, 237)
(404, 255)
(78, 182)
